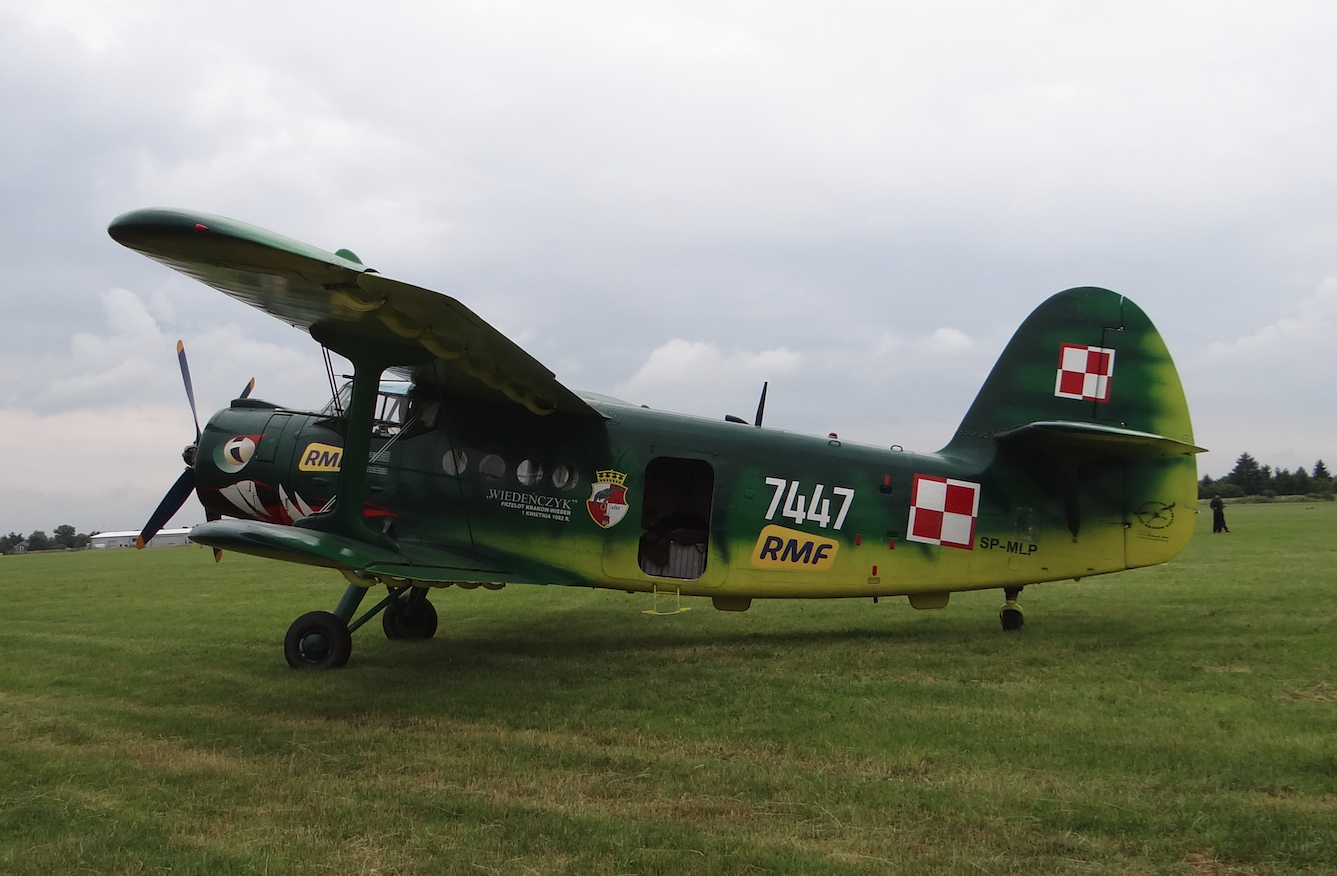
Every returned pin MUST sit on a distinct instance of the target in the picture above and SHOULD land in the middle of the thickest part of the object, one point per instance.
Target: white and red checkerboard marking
(943, 511)
(1084, 373)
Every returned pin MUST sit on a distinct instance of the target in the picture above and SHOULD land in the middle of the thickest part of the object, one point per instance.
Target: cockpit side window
(397, 405)
(390, 409)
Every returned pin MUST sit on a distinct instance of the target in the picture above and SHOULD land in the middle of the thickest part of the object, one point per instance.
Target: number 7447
(799, 507)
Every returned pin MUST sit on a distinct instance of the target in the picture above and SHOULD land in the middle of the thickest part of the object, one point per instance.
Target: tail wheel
(318, 640)
(1012, 619)
(402, 619)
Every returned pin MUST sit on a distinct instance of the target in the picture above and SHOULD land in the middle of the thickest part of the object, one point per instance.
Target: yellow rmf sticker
(781, 548)
(320, 457)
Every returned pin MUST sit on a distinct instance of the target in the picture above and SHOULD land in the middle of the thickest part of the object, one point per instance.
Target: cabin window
(676, 517)
(492, 466)
(528, 472)
(564, 477)
(454, 462)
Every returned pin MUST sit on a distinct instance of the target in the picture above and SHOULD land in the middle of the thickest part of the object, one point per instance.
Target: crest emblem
(607, 503)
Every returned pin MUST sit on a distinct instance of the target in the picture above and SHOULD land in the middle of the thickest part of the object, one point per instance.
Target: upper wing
(336, 294)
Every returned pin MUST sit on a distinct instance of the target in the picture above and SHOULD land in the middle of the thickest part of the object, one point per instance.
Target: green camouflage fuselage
(640, 499)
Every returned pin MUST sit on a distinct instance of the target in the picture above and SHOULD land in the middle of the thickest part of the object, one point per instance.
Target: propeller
(190, 389)
(185, 484)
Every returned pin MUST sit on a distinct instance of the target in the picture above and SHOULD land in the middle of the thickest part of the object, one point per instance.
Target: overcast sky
(667, 202)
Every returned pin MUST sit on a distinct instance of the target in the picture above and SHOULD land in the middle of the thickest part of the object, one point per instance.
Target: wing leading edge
(329, 294)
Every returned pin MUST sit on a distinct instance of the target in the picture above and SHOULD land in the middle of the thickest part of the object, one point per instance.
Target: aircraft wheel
(1012, 619)
(397, 623)
(317, 640)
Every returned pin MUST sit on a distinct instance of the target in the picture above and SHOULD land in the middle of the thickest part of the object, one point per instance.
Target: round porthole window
(564, 477)
(529, 472)
(492, 466)
(454, 462)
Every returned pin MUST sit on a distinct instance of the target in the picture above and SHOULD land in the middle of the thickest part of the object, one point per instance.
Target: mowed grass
(1181, 719)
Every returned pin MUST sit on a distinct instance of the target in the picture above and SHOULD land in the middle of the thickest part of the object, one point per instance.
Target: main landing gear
(318, 640)
(324, 640)
(1010, 615)
(410, 616)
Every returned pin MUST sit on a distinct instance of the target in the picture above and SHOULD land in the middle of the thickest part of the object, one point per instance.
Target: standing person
(1218, 514)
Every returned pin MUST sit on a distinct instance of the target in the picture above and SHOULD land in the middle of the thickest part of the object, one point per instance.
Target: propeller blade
(761, 405)
(246, 393)
(190, 388)
(170, 504)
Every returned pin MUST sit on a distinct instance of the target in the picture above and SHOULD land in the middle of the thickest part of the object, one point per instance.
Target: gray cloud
(739, 177)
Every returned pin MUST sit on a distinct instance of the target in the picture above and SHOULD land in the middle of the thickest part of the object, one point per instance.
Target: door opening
(676, 518)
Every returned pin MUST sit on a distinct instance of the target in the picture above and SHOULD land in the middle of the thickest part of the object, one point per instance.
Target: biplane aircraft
(455, 458)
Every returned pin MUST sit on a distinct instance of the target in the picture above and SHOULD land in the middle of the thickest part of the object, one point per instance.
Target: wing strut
(369, 360)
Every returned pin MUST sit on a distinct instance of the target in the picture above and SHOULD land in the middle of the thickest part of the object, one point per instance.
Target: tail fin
(1087, 383)
(1085, 356)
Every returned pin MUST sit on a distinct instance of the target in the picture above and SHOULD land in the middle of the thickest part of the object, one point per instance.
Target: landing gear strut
(1010, 615)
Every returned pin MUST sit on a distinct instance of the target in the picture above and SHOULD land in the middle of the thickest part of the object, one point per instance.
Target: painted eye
(239, 450)
(235, 453)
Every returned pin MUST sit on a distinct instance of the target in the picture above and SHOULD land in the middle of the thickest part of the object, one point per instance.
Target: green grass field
(1181, 719)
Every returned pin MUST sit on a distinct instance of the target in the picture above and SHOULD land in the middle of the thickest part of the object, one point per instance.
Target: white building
(164, 538)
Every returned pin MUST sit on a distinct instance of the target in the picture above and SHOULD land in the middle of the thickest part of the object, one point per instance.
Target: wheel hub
(315, 646)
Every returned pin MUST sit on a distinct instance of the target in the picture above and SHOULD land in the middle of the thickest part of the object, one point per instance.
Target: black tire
(318, 640)
(398, 625)
(1012, 619)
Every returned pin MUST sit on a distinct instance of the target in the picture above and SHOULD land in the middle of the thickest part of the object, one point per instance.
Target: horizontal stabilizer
(313, 548)
(1099, 438)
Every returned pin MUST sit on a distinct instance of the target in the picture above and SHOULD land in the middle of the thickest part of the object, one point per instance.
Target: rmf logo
(320, 457)
(781, 548)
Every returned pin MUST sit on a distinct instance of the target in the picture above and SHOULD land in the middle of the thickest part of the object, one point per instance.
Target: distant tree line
(62, 538)
(1248, 478)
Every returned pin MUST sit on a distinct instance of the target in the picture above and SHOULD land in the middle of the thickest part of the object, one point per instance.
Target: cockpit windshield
(392, 406)
(399, 405)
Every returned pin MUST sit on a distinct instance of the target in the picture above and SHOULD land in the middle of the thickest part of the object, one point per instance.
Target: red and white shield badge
(607, 503)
